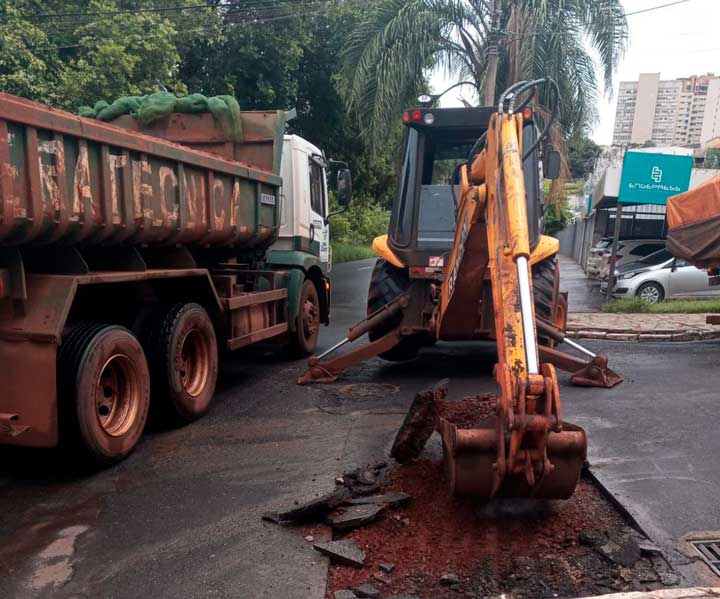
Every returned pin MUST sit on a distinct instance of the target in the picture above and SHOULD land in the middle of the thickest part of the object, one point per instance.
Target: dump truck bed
(69, 180)
(694, 224)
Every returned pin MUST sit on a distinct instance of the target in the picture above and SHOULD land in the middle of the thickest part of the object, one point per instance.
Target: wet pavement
(584, 294)
(182, 516)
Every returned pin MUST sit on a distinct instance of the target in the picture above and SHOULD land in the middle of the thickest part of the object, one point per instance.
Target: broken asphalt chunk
(387, 499)
(449, 579)
(354, 516)
(312, 510)
(419, 424)
(387, 568)
(345, 552)
(366, 590)
(625, 552)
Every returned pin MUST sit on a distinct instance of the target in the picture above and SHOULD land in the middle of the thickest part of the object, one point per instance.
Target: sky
(675, 41)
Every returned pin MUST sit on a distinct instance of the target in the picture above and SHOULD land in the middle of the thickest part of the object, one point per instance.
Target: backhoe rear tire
(387, 283)
(550, 305)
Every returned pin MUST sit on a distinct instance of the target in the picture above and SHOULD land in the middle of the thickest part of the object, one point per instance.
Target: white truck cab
(304, 201)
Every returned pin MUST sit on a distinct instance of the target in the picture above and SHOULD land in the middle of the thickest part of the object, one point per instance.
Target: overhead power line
(637, 12)
(247, 5)
(227, 24)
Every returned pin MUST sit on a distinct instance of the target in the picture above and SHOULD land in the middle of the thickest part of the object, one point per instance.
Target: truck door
(319, 230)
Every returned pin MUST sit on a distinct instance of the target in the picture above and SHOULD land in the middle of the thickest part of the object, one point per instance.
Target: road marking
(366, 268)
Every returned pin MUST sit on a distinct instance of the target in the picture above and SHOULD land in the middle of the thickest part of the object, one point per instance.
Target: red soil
(525, 547)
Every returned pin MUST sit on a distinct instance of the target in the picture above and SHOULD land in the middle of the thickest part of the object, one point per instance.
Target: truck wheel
(550, 305)
(104, 389)
(183, 363)
(307, 325)
(387, 283)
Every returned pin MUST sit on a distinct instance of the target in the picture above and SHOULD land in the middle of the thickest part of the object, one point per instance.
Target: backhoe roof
(469, 121)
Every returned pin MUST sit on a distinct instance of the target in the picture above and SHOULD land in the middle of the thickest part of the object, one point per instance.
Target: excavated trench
(439, 546)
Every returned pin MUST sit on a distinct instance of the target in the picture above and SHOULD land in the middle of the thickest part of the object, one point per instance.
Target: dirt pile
(441, 546)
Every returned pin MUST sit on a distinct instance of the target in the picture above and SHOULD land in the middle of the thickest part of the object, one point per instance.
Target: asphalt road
(182, 516)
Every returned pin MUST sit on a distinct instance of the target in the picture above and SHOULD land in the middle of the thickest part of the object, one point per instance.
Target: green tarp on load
(147, 109)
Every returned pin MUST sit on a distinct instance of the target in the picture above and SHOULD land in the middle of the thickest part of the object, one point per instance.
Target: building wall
(645, 104)
(711, 121)
(681, 112)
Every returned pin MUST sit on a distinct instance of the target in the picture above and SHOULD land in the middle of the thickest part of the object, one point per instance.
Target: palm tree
(398, 42)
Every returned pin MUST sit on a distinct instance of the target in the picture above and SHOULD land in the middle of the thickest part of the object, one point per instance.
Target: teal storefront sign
(653, 178)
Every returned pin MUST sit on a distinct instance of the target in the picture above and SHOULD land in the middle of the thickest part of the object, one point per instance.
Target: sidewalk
(641, 327)
(583, 294)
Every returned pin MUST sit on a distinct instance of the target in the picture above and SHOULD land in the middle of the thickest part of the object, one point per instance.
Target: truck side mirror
(551, 168)
(344, 187)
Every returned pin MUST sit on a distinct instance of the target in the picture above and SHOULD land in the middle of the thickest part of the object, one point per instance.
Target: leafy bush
(358, 226)
(345, 252)
(557, 216)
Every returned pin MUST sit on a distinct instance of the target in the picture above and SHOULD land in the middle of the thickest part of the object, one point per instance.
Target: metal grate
(710, 552)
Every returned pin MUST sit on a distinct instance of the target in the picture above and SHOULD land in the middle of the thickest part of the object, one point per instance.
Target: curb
(610, 335)
(687, 593)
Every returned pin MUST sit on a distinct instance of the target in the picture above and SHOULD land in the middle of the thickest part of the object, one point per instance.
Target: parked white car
(630, 250)
(660, 276)
(598, 256)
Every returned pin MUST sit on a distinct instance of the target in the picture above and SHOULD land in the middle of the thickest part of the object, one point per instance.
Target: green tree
(557, 216)
(582, 154)
(122, 54)
(399, 40)
(29, 65)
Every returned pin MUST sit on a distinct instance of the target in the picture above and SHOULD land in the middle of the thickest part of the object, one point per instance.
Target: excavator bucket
(537, 456)
(471, 456)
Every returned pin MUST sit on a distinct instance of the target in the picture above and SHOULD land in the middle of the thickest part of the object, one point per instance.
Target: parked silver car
(630, 250)
(659, 276)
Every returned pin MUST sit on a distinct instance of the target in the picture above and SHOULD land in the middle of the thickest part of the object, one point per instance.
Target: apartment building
(676, 112)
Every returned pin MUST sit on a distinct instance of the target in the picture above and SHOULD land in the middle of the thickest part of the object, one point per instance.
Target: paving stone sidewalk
(640, 327)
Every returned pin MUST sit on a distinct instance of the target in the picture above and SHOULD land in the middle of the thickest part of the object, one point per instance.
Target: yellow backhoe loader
(465, 259)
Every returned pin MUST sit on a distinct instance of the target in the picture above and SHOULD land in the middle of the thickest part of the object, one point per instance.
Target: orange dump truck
(129, 260)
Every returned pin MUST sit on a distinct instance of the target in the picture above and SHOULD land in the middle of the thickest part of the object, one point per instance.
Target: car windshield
(603, 243)
(656, 258)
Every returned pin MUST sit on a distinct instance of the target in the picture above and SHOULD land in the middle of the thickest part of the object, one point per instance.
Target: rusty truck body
(130, 260)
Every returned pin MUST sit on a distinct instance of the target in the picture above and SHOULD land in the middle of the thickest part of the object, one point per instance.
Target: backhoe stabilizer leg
(328, 371)
(321, 370)
(585, 373)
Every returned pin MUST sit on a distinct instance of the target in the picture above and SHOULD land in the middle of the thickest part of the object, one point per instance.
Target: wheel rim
(194, 362)
(311, 319)
(650, 294)
(117, 395)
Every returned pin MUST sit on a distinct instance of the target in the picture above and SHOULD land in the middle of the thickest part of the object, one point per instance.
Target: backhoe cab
(422, 222)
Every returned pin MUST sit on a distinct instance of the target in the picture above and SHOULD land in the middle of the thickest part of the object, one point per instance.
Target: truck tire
(386, 283)
(307, 326)
(550, 305)
(183, 355)
(104, 390)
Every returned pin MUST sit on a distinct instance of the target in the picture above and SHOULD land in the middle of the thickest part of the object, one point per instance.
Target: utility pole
(493, 51)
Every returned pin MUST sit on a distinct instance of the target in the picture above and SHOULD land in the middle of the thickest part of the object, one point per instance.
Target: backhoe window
(436, 217)
(401, 220)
